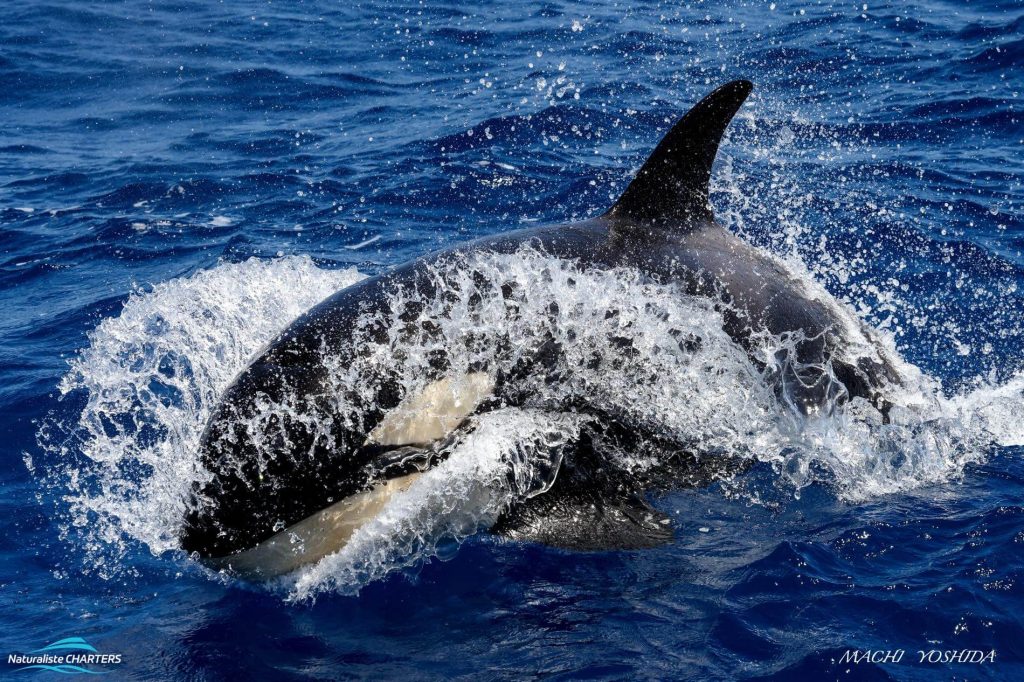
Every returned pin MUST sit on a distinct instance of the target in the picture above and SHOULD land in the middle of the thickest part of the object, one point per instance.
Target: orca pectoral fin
(594, 506)
(586, 523)
(588, 507)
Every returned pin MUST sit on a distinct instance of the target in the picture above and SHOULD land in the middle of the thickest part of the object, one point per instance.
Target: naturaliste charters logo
(68, 656)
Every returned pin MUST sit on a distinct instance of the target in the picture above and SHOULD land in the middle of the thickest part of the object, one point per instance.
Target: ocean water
(180, 180)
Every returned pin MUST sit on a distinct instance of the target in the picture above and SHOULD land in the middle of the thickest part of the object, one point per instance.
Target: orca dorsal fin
(672, 185)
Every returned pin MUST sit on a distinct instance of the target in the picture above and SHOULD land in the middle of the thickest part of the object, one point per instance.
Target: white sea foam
(150, 377)
(655, 358)
(498, 461)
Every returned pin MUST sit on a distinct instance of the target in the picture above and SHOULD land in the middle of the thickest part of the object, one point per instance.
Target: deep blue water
(146, 142)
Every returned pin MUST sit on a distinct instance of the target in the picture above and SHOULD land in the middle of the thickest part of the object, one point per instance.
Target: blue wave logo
(66, 656)
(69, 644)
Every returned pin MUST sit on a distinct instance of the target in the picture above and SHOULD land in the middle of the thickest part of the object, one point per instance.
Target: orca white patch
(433, 413)
(316, 536)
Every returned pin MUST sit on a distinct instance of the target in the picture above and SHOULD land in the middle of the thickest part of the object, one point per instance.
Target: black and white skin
(287, 486)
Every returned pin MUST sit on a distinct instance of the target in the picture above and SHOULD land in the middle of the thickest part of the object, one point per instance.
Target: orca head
(281, 496)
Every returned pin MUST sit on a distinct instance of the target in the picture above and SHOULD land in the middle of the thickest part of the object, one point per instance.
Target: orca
(287, 487)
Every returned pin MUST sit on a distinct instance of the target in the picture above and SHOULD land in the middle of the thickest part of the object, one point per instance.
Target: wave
(650, 356)
(148, 380)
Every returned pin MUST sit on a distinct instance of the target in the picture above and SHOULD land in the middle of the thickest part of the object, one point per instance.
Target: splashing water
(150, 377)
(656, 359)
(499, 461)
